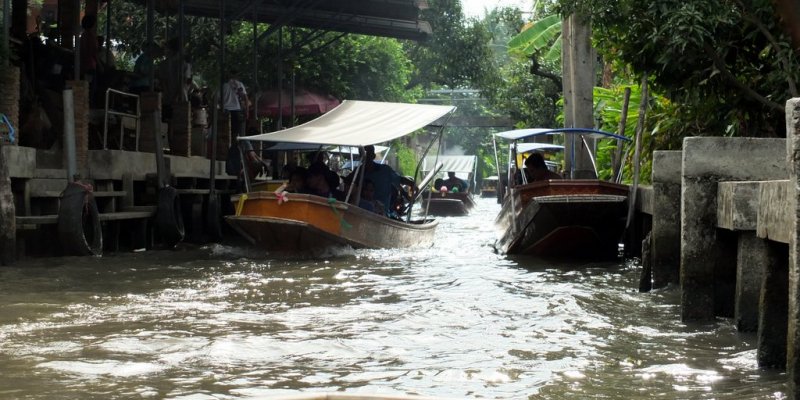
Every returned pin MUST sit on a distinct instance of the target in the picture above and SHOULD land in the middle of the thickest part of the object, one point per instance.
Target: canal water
(454, 320)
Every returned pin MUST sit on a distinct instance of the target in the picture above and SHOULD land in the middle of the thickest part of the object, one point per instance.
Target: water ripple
(454, 320)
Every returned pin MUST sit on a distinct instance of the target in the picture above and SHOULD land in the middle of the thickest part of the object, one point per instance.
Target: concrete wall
(706, 162)
(666, 208)
(793, 158)
(21, 161)
(112, 164)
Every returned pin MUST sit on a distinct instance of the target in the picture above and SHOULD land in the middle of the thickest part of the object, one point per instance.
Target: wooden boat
(450, 203)
(563, 217)
(489, 186)
(308, 223)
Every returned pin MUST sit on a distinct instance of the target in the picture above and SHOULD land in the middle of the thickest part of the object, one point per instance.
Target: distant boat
(560, 217)
(450, 203)
(489, 186)
(305, 223)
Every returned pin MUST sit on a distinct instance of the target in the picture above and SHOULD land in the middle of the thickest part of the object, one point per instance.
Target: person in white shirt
(234, 102)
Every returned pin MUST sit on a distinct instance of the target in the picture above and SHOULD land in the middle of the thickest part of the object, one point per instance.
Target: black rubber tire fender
(169, 216)
(79, 228)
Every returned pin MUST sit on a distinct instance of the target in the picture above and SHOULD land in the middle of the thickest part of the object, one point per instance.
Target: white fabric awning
(529, 147)
(531, 132)
(359, 123)
(451, 163)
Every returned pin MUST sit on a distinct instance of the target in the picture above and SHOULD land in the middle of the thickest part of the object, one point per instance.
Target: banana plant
(542, 37)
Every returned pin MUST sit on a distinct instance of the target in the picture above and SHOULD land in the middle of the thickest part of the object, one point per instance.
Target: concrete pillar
(578, 84)
(773, 305)
(666, 243)
(707, 161)
(8, 227)
(793, 158)
(752, 255)
(180, 129)
(80, 91)
(150, 103)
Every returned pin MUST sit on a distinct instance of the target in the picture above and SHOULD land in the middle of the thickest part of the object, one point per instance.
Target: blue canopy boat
(567, 217)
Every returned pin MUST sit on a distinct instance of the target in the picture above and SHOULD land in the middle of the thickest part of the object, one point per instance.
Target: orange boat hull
(307, 222)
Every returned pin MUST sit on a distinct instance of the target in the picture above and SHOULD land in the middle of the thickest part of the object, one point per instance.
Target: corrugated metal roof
(389, 18)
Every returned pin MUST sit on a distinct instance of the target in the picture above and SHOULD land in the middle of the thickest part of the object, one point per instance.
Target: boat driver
(453, 182)
(383, 177)
(536, 169)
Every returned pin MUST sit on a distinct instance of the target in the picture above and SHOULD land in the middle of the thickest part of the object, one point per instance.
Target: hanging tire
(169, 217)
(79, 229)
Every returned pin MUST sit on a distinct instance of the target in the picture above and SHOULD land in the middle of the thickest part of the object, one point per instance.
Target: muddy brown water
(453, 320)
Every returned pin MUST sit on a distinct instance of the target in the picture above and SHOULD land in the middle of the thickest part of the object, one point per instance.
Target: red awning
(305, 103)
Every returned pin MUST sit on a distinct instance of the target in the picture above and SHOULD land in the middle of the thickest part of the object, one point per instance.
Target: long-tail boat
(447, 202)
(293, 222)
(560, 217)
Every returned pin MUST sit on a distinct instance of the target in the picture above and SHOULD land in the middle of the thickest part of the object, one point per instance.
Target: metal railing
(136, 117)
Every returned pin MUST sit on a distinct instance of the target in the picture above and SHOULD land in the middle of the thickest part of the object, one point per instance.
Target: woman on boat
(536, 169)
(318, 185)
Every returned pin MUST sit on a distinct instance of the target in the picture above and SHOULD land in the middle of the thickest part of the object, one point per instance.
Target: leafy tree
(723, 58)
(457, 55)
(349, 66)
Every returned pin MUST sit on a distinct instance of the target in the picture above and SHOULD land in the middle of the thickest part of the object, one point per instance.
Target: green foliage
(726, 62)
(350, 67)
(542, 36)
(406, 159)
(457, 55)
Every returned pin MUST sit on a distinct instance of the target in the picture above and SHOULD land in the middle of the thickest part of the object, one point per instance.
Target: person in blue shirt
(384, 178)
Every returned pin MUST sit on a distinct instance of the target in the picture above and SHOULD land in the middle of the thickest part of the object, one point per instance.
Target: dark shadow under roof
(389, 18)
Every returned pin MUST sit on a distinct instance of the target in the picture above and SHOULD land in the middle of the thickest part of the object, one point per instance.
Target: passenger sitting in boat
(317, 184)
(453, 182)
(437, 184)
(297, 181)
(319, 159)
(536, 169)
(367, 200)
(383, 177)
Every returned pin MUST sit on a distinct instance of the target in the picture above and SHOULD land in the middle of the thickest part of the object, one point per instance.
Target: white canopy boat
(302, 222)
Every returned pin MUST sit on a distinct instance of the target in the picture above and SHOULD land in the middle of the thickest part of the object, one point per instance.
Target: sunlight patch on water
(108, 368)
